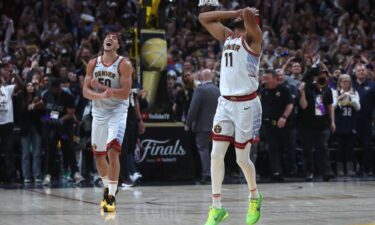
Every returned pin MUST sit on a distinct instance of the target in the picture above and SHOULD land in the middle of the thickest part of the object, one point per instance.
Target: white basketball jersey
(108, 75)
(239, 68)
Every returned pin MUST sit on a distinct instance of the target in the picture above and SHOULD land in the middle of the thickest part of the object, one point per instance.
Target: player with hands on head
(238, 115)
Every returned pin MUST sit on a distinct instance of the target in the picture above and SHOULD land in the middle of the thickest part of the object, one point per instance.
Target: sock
(216, 201)
(112, 186)
(219, 148)
(105, 181)
(254, 194)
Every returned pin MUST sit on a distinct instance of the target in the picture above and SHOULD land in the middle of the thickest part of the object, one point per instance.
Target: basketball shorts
(108, 133)
(237, 122)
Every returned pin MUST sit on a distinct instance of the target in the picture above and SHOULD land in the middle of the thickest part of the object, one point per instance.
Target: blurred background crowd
(318, 60)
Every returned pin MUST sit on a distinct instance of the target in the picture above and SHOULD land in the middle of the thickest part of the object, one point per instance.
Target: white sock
(112, 186)
(248, 168)
(105, 181)
(219, 148)
(254, 194)
(216, 201)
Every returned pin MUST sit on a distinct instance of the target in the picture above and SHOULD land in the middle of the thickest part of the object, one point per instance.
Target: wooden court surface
(333, 203)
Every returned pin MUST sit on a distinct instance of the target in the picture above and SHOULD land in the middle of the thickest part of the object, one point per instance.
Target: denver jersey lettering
(108, 75)
(239, 68)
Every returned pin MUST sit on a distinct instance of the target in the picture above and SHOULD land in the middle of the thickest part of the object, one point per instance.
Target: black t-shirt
(56, 107)
(30, 118)
(316, 115)
(274, 102)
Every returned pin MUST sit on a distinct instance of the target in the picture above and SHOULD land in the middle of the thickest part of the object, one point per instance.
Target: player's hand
(238, 13)
(255, 11)
(187, 128)
(95, 84)
(107, 94)
(281, 122)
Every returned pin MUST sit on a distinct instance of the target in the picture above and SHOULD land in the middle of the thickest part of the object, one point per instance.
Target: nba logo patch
(217, 129)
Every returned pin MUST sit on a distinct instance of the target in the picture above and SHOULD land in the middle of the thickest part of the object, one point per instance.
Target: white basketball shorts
(237, 122)
(108, 133)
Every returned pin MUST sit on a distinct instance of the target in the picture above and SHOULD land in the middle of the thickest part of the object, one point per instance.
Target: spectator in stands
(60, 118)
(346, 105)
(31, 131)
(332, 81)
(366, 91)
(184, 95)
(296, 72)
(200, 118)
(10, 83)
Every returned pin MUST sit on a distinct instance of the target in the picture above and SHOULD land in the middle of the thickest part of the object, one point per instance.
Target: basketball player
(107, 83)
(238, 114)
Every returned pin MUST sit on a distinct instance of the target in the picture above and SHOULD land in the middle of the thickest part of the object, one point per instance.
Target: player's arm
(253, 32)
(126, 71)
(88, 92)
(211, 21)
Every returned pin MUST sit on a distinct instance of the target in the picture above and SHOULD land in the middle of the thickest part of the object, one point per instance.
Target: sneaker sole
(259, 219)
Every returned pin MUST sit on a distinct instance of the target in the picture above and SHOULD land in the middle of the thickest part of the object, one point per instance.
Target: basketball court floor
(333, 203)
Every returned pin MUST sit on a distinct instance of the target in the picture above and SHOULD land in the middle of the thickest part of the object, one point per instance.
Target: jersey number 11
(229, 59)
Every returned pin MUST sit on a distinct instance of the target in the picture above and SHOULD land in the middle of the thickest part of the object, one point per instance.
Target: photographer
(59, 120)
(315, 118)
(7, 89)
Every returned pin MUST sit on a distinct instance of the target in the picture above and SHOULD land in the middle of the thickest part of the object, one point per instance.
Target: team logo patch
(217, 129)
(94, 146)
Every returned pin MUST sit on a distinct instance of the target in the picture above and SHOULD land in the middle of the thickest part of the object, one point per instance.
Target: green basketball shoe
(216, 216)
(254, 212)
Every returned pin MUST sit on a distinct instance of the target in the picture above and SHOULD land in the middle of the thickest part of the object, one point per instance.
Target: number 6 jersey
(108, 75)
(239, 68)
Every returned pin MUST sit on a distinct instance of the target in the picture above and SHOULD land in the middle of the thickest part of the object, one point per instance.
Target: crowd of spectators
(48, 44)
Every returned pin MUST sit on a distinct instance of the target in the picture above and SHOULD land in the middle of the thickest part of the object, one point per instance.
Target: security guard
(277, 105)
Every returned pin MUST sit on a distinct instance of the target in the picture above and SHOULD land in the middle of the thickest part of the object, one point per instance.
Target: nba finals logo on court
(217, 129)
